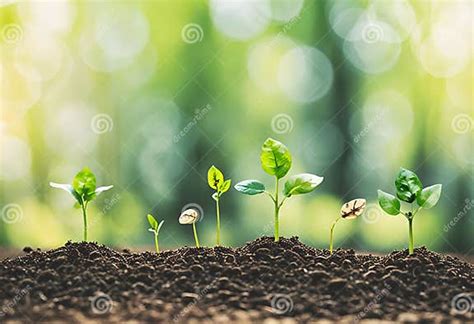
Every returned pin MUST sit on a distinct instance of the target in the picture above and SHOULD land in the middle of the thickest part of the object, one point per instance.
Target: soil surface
(261, 281)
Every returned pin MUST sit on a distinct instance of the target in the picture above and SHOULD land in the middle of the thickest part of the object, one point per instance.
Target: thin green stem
(157, 246)
(277, 210)
(331, 235)
(218, 234)
(411, 245)
(195, 235)
(84, 217)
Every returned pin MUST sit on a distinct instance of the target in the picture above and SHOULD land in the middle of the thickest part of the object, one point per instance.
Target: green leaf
(215, 178)
(275, 158)
(408, 185)
(250, 187)
(389, 203)
(301, 184)
(84, 184)
(152, 221)
(224, 187)
(429, 196)
(99, 190)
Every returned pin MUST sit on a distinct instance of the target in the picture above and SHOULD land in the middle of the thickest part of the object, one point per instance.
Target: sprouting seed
(190, 216)
(155, 229)
(350, 210)
(216, 181)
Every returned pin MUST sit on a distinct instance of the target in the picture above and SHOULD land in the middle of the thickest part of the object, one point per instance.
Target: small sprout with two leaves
(216, 181)
(410, 191)
(84, 190)
(190, 216)
(276, 161)
(155, 229)
(350, 210)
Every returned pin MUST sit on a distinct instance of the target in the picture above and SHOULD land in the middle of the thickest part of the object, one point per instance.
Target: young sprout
(190, 216)
(155, 229)
(216, 181)
(84, 190)
(276, 161)
(409, 190)
(349, 210)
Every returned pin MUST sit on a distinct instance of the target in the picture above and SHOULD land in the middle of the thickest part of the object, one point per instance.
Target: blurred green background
(150, 94)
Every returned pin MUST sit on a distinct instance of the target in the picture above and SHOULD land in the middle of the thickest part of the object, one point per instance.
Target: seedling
(216, 181)
(190, 216)
(350, 210)
(411, 191)
(276, 161)
(84, 190)
(155, 229)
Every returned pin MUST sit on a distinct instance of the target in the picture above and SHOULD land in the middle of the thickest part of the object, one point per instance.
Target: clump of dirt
(263, 279)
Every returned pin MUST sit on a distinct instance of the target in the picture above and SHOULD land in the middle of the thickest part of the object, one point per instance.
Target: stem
(410, 232)
(218, 234)
(195, 235)
(84, 217)
(331, 235)
(277, 210)
(157, 246)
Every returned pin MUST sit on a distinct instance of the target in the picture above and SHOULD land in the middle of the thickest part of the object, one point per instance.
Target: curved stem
(277, 210)
(195, 235)
(84, 217)
(218, 234)
(411, 244)
(157, 246)
(331, 235)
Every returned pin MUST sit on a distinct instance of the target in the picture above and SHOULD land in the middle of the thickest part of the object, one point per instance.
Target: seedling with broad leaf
(216, 181)
(155, 229)
(190, 216)
(350, 210)
(410, 191)
(276, 160)
(84, 190)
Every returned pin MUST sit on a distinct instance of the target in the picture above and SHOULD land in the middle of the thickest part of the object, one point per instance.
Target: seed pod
(189, 216)
(353, 208)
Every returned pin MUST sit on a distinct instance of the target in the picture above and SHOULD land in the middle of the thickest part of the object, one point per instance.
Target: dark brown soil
(263, 279)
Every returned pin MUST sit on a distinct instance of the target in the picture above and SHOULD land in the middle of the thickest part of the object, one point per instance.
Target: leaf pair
(154, 226)
(276, 160)
(216, 181)
(409, 189)
(83, 188)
